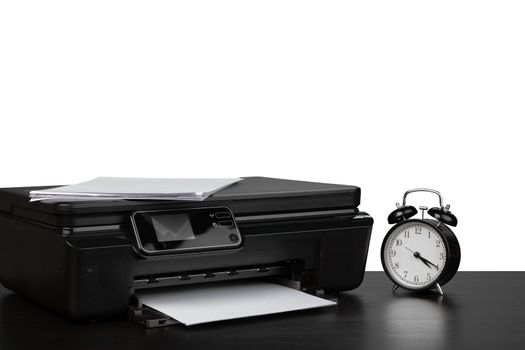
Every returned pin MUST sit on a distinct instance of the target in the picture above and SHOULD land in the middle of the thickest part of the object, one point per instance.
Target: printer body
(90, 259)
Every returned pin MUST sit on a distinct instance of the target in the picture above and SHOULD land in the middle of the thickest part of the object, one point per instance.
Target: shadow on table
(426, 318)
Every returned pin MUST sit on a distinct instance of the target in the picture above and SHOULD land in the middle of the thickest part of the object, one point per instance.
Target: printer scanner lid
(251, 196)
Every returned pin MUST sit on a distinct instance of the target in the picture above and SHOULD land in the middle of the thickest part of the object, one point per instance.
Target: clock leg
(438, 289)
(394, 287)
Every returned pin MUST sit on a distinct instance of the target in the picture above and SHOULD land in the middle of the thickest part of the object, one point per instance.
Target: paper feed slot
(179, 279)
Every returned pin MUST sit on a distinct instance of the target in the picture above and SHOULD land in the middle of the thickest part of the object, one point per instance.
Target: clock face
(414, 255)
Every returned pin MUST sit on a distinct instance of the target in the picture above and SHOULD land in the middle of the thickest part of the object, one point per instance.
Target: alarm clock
(421, 254)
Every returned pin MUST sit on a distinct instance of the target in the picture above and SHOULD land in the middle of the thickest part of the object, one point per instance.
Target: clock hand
(426, 261)
(423, 260)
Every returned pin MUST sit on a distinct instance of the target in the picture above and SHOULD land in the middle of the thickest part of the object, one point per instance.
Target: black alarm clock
(421, 254)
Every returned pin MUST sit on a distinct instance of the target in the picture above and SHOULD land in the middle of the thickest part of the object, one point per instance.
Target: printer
(89, 259)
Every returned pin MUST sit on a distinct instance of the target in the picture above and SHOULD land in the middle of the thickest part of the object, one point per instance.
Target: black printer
(89, 259)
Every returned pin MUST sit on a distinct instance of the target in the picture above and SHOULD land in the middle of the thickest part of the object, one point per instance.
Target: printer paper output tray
(151, 318)
(87, 259)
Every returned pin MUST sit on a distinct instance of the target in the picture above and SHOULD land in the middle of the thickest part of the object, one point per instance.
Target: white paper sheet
(212, 302)
(137, 188)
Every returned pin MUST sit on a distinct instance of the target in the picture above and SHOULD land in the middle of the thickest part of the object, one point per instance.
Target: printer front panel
(93, 272)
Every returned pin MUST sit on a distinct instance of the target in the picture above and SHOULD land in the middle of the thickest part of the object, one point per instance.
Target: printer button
(227, 223)
(234, 238)
(223, 215)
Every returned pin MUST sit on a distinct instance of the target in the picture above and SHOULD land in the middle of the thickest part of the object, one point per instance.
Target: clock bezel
(452, 249)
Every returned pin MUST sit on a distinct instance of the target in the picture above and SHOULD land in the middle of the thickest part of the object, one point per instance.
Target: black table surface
(480, 310)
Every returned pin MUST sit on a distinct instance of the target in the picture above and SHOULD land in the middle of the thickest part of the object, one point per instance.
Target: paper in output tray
(198, 304)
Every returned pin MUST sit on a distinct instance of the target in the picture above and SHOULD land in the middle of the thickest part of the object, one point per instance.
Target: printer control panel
(184, 230)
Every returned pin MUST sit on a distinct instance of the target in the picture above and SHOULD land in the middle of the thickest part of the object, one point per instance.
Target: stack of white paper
(136, 188)
(197, 304)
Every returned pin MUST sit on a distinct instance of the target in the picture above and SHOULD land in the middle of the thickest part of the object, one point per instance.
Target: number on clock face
(415, 254)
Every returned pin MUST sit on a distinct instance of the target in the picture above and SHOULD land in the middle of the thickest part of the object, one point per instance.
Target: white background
(386, 95)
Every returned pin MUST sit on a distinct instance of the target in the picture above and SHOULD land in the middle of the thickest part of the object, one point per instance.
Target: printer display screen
(184, 230)
(169, 228)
